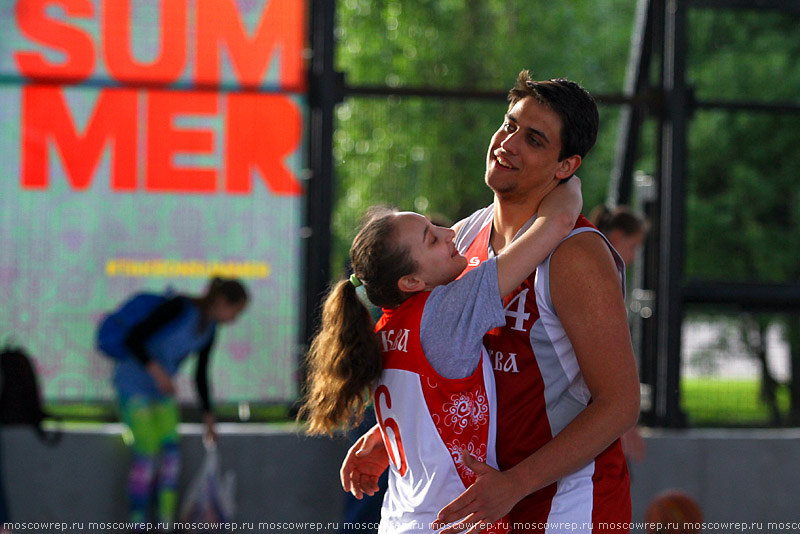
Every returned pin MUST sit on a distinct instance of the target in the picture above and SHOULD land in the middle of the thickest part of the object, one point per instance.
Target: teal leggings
(156, 456)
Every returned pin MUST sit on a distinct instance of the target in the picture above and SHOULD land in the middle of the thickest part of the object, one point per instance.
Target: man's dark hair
(571, 102)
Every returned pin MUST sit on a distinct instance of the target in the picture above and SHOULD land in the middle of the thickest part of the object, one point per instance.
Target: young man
(567, 386)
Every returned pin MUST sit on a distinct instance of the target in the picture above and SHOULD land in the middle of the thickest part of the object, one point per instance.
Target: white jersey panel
(571, 508)
(472, 227)
(566, 393)
(430, 480)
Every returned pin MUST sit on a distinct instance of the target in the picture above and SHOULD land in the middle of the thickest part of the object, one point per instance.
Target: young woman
(423, 364)
(625, 229)
(147, 358)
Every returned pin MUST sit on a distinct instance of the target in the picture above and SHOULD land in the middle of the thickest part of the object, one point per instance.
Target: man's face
(523, 154)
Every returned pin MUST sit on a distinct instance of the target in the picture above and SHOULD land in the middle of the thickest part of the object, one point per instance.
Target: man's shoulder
(582, 257)
(470, 227)
(582, 244)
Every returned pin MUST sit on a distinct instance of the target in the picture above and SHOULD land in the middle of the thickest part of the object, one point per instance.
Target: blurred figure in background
(626, 231)
(149, 337)
(674, 511)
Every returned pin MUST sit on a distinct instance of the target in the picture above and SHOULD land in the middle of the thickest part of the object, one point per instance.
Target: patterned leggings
(154, 425)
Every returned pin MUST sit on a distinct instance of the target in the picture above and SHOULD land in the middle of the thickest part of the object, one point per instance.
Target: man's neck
(509, 217)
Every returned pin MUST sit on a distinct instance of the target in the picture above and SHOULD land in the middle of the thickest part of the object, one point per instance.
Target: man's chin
(499, 186)
(503, 190)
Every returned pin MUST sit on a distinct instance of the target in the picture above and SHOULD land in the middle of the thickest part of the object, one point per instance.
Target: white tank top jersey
(426, 420)
(541, 390)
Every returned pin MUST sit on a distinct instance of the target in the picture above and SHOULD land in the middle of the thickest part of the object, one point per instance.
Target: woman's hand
(211, 427)
(162, 378)
(563, 203)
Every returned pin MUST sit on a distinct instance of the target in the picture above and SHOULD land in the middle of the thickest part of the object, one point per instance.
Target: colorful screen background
(58, 244)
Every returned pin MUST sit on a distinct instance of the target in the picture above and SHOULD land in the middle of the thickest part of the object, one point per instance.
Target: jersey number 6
(399, 459)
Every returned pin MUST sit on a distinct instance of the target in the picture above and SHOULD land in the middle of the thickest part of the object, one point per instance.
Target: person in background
(626, 230)
(151, 354)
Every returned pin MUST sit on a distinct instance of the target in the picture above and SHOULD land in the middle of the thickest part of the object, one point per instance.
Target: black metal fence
(720, 352)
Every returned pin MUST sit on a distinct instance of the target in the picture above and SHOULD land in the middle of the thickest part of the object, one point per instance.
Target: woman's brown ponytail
(343, 363)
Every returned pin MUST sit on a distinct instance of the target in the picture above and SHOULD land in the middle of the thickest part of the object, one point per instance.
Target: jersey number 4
(394, 443)
(519, 314)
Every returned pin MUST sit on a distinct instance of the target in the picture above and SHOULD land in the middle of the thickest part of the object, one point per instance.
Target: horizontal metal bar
(383, 91)
(649, 98)
(745, 295)
(742, 105)
(788, 6)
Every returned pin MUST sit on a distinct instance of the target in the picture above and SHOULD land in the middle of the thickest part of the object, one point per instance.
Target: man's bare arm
(364, 464)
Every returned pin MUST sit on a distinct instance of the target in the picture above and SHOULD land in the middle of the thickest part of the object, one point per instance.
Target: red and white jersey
(426, 420)
(540, 391)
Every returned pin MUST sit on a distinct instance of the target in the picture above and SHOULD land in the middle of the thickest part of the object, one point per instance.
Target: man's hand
(364, 464)
(493, 494)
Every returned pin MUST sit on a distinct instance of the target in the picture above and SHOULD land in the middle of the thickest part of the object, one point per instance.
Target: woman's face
(223, 311)
(432, 247)
(626, 245)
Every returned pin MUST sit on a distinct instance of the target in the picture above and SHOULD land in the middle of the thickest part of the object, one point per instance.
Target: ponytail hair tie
(354, 280)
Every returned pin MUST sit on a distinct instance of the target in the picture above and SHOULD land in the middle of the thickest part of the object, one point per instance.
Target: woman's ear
(410, 284)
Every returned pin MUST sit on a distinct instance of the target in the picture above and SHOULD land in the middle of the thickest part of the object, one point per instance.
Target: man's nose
(509, 144)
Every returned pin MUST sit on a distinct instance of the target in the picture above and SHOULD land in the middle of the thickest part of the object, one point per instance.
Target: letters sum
(141, 126)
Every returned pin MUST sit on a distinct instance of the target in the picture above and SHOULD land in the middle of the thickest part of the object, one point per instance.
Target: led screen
(150, 145)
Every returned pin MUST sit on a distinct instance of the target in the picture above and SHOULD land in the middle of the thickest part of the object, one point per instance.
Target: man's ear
(410, 284)
(568, 166)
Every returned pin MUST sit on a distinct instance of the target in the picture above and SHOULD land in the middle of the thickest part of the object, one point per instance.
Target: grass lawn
(720, 402)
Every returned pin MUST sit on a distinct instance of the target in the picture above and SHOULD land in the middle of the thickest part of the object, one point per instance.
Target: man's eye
(534, 141)
(507, 126)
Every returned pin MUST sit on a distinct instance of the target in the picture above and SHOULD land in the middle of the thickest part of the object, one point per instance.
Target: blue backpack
(116, 326)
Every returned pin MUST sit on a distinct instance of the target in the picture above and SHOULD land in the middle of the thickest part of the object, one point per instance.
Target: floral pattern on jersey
(460, 412)
(466, 409)
(476, 449)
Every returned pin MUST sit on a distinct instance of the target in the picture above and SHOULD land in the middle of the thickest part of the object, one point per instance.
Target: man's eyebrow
(529, 129)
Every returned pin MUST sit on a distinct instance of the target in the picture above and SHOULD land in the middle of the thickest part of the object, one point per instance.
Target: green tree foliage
(743, 218)
(428, 154)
